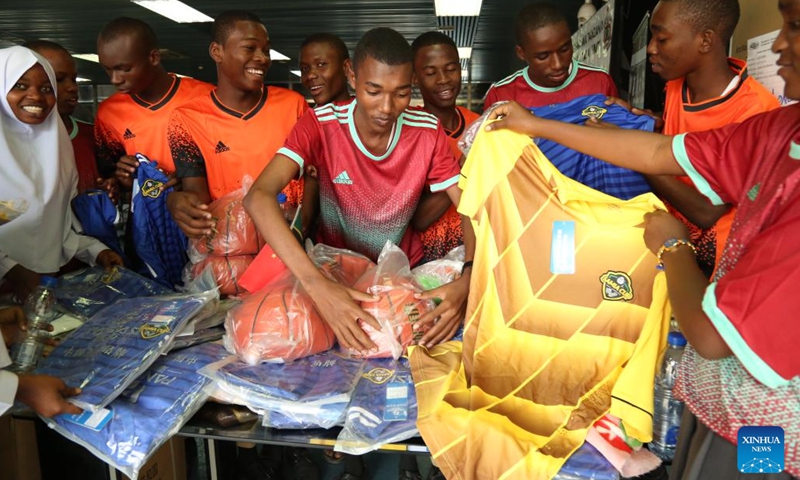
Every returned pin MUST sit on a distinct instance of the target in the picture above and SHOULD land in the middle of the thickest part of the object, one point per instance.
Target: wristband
(466, 266)
(671, 245)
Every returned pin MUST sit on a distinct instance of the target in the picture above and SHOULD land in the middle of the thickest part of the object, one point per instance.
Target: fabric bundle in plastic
(118, 344)
(87, 291)
(383, 408)
(396, 308)
(312, 392)
(149, 412)
(277, 323)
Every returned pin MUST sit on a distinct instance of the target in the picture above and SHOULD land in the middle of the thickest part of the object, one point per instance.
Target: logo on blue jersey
(616, 286)
(379, 375)
(594, 111)
(760, 449)
(150, 331)
(151, 188)
(343, 178)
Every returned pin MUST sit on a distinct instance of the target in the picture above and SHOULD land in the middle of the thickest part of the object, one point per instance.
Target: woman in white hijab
(38, 168)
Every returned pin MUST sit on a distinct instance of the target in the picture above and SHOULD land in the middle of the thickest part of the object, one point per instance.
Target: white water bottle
(39, 311)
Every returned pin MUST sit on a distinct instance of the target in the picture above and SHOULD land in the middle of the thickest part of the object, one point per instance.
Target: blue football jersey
(98, 216)
(159, 242)
(597, 174)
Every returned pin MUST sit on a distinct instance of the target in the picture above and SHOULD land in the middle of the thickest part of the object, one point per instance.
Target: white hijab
(37, 165)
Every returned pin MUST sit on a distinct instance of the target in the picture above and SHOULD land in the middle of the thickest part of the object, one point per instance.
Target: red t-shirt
(681, 115)
(582, 80)
(365, 199)
(82, 136)
(753, 300)
(209, 139)
(127, 125)
(445, 234)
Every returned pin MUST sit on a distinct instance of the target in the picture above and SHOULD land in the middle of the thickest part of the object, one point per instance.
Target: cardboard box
(168, 463)
(19, 453)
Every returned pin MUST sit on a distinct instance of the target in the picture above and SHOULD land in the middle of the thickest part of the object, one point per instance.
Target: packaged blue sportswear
(118, 344)
(159, 242)
(87, 291)
(383, 409)
(98, 216)
(147, 413)
(602, 176)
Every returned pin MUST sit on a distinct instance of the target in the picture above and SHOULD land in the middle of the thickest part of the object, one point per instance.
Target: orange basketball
(234, 232)
(278, 322)
(227, 271)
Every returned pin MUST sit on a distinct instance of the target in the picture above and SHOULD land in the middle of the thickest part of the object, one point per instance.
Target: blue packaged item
(604, 177)
(306, 393)
(118, 344)
(87, 291)
(159, 242)
(586, 463)
(147, 413)
(98, 216)
(383, 408)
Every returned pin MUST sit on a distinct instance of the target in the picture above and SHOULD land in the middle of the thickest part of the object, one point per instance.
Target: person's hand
(513, 116)
(46, 395)
(126, 170)
(173, 181)
(110, 186)
(618, 101)
(12, 323)
(595, 123)
(109, 258)
(660, 226)
(191, 215)
(337, 305)
(23, 282)
(657, 127)
(450, 311)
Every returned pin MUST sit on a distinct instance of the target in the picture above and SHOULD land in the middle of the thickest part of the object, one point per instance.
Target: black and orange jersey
(127, 125)
(209, 139)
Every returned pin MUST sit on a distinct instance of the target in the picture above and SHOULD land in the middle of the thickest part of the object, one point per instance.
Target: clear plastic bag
(11, 209)
(227, 270)
(339, 264)
(118, 344)
(148, 412)
(312, 392)
(87, 291)
(586, 463)
(383, 408)
(277, 323)
(396, 309)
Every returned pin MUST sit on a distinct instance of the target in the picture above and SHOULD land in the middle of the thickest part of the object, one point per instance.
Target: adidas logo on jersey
(221, 147)
(128, 135)
(343, 178)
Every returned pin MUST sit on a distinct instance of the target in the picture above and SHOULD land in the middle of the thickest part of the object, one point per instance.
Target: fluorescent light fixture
(89, 57)
(464, 74)
(295, 72)
(277, 56)
(458, 8)
(174, 10)
(182, 76)
(81, 79)
(464, 52)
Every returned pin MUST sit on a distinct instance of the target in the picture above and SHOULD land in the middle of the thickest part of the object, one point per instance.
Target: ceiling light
(464, 52)
(174, 10)
(458, 8)
(277, 56)
(81, 79)
(89, 57)
(182, 76)
(296, 72)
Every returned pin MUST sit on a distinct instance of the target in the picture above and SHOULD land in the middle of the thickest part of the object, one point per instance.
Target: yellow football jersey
(567, 317)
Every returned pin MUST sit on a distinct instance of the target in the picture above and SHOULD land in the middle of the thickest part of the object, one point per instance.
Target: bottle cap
(281, 198)
(676, 339)
(49, 282)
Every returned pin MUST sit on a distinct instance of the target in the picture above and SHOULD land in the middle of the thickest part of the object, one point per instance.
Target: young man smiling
(544, 42)
(233, 131)
(324, 62)
(374, 158)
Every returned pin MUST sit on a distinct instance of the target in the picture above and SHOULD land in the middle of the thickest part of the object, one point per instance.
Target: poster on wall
(761, 65)
(592, 42)
(639, 63)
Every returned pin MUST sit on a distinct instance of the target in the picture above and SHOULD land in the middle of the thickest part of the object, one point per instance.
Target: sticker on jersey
(379, 375)
(594, 111)
(616, 286)
(562, 248)
(152, 188)
(396, 402)
(760, 449)
(92, 420)
(150, 331)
